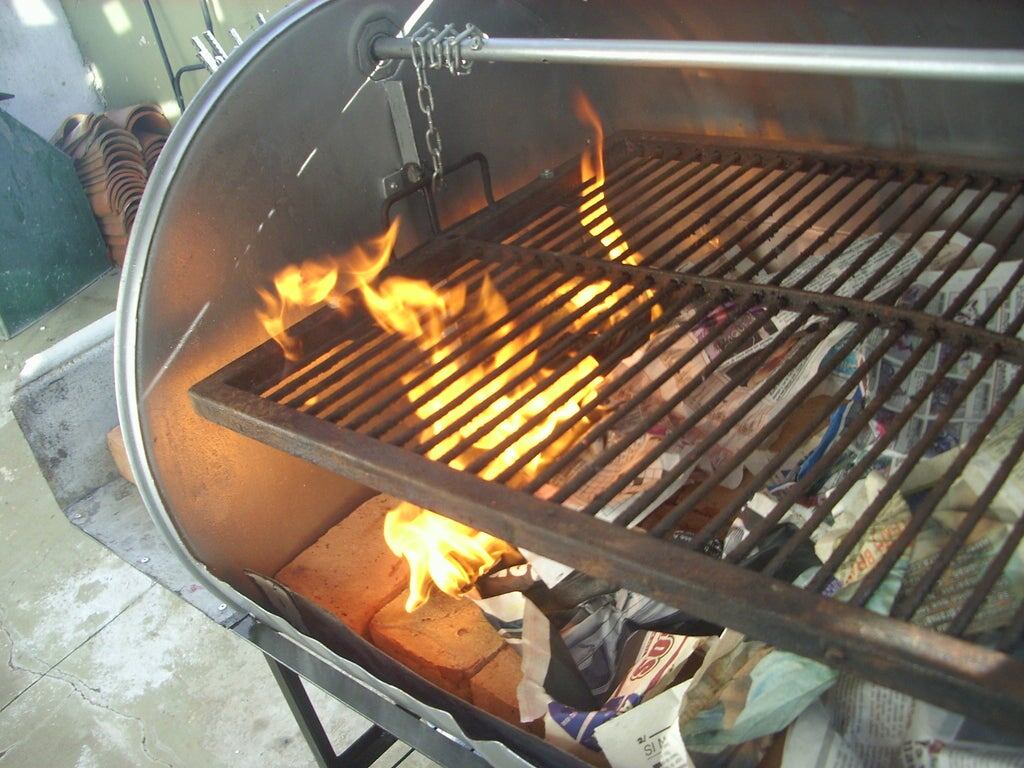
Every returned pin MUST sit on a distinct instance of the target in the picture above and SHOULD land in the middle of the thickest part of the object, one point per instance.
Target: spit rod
(997, 65)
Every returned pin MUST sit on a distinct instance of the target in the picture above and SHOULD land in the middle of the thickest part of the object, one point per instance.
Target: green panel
(50, 245)
(115, 36)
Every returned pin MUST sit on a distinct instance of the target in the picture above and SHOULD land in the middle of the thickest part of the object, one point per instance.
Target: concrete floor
(99, 665)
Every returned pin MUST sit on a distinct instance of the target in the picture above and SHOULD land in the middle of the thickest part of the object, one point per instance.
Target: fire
(508, 408)
(304, 285)
(447, 553)
(595, 216)
(498, 410)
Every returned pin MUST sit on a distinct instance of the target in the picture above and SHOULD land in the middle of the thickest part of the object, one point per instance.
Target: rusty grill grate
(800, 252)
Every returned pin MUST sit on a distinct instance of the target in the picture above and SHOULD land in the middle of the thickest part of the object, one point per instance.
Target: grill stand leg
(362, 753)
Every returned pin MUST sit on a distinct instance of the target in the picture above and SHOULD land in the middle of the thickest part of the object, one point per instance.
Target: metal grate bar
(874, 578)
(906, 608)
(698, 177)
(734, 194)
(563, 347)
(347, 367)
(767, 192)
(767, 233)
(805, 346)
(638, 335)
(406, 435)
(398, 376)
(567, 217)
(605, 394)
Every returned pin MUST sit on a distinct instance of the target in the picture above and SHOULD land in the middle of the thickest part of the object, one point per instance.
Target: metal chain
(439, 49)
(425, 97)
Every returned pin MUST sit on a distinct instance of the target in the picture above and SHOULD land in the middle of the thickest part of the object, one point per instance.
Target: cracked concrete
(100, 666)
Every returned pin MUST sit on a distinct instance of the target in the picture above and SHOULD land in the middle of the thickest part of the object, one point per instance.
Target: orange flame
(595, 215)
(440, 551)
(449, 554)
(598, 221)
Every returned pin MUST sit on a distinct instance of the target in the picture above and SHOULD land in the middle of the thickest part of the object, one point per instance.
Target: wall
(116, 37)
(41, 64)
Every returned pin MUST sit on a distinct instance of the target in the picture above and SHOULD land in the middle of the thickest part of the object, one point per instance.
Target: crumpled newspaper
(860, 725)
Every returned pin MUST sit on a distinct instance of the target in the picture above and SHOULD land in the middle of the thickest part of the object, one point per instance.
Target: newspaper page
(861, 725)
(978, 403)
(647, 736)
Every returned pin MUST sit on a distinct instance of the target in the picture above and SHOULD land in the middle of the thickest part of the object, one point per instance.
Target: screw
(392, 186)
(143, 560)
(222, 607)
(77, 516)
(547, 173)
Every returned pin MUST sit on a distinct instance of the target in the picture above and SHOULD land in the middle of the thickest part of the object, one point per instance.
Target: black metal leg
(360, 754)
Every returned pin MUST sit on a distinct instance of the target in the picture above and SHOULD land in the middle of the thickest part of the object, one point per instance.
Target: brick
(350, 571)
(493, 688)
(115, 443)
(446, 641)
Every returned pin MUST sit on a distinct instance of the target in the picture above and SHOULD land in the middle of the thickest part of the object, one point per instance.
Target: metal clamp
(208, 59)
(443, 48)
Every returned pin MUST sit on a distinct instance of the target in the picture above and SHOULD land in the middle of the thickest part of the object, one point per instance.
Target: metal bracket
(405, 180)
(407, 185)
(362, 753)
(402, 122)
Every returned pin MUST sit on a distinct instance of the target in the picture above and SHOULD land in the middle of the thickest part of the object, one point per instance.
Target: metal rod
(605, 392)
(906, 608)
(163, 55)
(596, 316)
(873, 578)
(398, 376)
(894, 481)
(997, 65)
(757, 440)
(755, 396)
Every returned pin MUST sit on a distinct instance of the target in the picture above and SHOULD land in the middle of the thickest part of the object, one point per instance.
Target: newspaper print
(978, 403)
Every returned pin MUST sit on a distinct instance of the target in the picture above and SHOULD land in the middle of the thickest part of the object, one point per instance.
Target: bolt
(547, 173)
(143, 560)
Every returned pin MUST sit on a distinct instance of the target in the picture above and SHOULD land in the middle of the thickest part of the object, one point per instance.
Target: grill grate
(841, 270)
